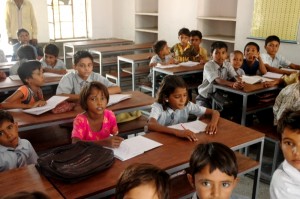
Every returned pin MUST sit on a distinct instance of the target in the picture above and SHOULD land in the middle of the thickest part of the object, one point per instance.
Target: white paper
(51, 104)
(14, 77)
(189, 63)
(272, 75)
(167, 66)
(116, 98)
(196, 126)
(134, 146)
(254, 79)
(47, 74)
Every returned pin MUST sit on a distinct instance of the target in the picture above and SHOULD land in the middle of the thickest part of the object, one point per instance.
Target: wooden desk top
(26, 179)
(96, 42)
(5, 66)
(136, 57)
(249, 88)
(138, 99)
(179, 69)
(108, 49)
(174, 152)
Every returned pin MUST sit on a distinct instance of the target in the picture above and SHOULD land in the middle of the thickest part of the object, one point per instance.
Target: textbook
(195, 126)
(134, 146)
(116, 98)
(51, 104)
(255, 79)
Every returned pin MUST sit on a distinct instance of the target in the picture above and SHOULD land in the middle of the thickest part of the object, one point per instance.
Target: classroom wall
(243, 28)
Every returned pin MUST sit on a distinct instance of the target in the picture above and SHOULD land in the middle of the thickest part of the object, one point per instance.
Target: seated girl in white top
(173, 107)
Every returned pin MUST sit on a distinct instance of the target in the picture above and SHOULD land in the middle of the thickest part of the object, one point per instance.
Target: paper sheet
(189, 63)
(167, 66)
(254, 79)
(195, 126)
(116, 98)
(272, 75)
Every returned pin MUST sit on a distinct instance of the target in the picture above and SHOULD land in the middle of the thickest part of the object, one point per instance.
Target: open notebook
(116, 98)
(135, 146)
(195, 126)
(254, 79)
(51, 104)
(272, 75)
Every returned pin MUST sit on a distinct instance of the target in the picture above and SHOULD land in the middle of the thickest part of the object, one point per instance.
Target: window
(67, 19)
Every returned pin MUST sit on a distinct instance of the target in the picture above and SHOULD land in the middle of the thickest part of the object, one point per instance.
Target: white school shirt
(60, 65)
(277, 62)
(285, 182)
(169, 117)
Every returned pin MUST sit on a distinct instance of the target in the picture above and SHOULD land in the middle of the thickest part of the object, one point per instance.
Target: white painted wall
(40, 11)
(243, 28)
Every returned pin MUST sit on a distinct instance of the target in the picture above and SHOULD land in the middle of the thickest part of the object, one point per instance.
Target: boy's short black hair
(252, 44)
(184, 31)
(196, 33)
(26, 68)
(82, 54)
(5, 116)
(21, 30)
(26, 52)
(158, 46)
(272, 38)
(217, 156)
(218, 45)
(289, 119)
(51, 49)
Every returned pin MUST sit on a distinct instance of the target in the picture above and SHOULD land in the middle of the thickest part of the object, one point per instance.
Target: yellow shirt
(16, 18)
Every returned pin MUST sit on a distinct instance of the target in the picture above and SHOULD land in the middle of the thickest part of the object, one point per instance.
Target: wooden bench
(181, 188)
(127, 73)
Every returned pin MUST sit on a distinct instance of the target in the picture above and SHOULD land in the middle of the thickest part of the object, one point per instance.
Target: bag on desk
(64, 107)
(75, 162)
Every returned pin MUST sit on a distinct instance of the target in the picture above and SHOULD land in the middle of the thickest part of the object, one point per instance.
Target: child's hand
(39, 103)
(62, 72)
(115, 141)
(186, 134)
(238, 85)
(211, 129)
(171, 61)
(2, 75)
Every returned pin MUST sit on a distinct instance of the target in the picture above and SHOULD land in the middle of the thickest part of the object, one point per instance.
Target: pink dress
(82, 130)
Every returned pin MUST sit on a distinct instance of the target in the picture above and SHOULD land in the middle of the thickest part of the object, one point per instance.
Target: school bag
(75, 162)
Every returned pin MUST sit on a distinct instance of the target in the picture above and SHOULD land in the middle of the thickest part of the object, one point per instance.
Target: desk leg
(133, 75)
(65, 56)
(100, 63)
(257, 172)
(244, 109)
(153, 83)
(119, 68)
(73, 50)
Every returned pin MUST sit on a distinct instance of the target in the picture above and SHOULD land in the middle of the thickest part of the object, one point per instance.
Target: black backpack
(75, 162)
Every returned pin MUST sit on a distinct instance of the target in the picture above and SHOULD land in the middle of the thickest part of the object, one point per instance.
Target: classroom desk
(180, 70)
(26, 179)
(5, 66)
(134, 60)
(172, 156)
(11, 85)
(138, 101)
(249, 89)
(76, 45)
(110, 50)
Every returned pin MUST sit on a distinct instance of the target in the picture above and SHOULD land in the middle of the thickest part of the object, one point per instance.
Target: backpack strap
(28, 99)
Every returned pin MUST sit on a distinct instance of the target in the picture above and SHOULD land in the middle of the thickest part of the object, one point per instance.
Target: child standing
(143, 181)
(50, 61)
(97, 123)
(173, 107)
(285, 181)
(216, 71)
(200, 53)
(236, 60)
(70, 85)
(14, 152)
(274, 61)
(23, 37)
(213, 171)
(253, 64)
(182, 51)
(30, 94)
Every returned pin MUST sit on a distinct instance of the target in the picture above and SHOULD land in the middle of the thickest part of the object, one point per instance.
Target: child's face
(24, 38)
(184, 39)
(213, 185)
(178, 98)
(290, 145)
(37, 77)
(9, 134)
(96, 102)
(236, 60)
(165, 50)
(50, 59)
(272, 48)
(195, 41)
(219, 55)
(84, 67)
(145, 191)
(251, 53)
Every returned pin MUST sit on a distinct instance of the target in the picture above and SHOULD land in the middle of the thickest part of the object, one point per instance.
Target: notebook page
(166, 66)
(116, 98)
(196, 126)
(189, 63)
(272, 75)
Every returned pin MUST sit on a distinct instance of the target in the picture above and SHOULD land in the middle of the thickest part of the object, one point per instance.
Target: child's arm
(294, 66)
(236, 84)
(153, 125)
(2, 75)
(14, 101)
(211, 127)
(262, 68)
(56, 71)
(277, 70)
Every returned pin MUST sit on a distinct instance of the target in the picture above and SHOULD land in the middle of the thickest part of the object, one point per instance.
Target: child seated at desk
(182, 51)
(50, 61)
(14, 152)
(96, 124)
(30, 94)
(213, 171)
(70, 85)
(236, 60)
(143, 181)
(200, 53)
(173, 107)
(285, 181)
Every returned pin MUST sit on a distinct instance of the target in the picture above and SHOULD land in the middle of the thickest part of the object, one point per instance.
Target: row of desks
(172, 156)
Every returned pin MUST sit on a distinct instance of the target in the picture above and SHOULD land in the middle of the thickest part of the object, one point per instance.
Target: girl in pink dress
(96, 124)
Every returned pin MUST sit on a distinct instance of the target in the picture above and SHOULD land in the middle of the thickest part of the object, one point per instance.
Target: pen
(182, 126)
